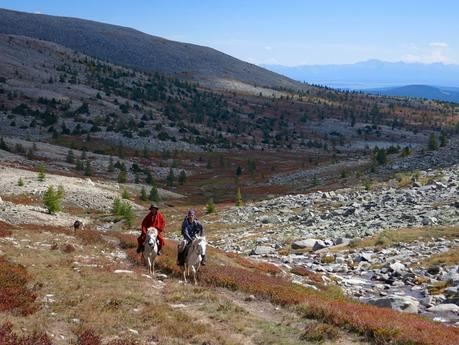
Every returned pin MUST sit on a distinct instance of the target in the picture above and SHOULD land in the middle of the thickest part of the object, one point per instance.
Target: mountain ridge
(135, 49)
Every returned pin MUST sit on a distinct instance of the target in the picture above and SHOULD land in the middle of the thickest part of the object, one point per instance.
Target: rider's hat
(153, 205)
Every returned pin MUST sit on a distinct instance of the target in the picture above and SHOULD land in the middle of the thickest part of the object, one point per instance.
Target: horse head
(201, 244)
(152, 234)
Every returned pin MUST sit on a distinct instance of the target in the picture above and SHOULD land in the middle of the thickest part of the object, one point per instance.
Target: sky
(285, 32)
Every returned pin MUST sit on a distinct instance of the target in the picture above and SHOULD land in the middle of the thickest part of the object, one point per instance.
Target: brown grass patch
(319, 332)
(258, 266)
(448, 258)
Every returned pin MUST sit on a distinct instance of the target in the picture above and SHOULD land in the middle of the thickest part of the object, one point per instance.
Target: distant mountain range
(447, 94)
(373, 74)
(131, 48)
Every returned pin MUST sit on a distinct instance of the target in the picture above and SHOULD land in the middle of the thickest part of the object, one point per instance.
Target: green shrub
(124, 210)
(20, 182)
(210, 207)
(52, 199)
(41, 172)
(125, 194)
(143, 194)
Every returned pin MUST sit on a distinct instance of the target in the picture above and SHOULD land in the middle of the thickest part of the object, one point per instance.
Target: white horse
(151, 249)
(194, 257)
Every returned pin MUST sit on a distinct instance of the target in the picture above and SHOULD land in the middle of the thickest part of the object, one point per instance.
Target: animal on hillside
(151, 249)
(194, 256)
(78, 225)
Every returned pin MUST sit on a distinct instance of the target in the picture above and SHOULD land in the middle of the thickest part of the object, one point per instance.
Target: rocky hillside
(135, 49)
(393, 244)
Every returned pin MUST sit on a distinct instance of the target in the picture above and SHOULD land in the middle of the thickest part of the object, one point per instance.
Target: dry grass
(319, 332)
(258, 266)
(448, 258)
(388, 238)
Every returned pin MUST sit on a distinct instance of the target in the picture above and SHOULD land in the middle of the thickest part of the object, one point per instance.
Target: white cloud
(438, 45)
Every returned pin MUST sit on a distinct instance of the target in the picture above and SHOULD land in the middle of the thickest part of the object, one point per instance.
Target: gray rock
(308, 243)
(364, 256)
(319, 245)
(262, 250)
(397, 267)
(405, 304)
(443, 308)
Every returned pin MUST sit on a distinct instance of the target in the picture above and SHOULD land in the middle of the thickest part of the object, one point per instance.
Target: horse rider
(191, 227)
(153, 219)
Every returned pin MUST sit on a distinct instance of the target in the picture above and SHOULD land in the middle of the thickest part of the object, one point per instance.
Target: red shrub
(88, 337)
(14, 294)
(258, 266)
(5, 229)
(68, 248)
(7, 337)
(304, 272)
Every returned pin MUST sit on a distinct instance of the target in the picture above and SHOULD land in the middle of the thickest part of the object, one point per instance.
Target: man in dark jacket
(191, 227)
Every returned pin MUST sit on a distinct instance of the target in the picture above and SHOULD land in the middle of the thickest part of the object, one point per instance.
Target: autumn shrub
(126, 241)
(15, 296)
(319, 332)
(259, 266)
(5, 229)
(304, 272)
(8, 337)
(88, 337)
(68, 248)
(89, 236)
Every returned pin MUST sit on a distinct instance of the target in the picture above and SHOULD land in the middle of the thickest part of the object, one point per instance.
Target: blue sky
(288, 32)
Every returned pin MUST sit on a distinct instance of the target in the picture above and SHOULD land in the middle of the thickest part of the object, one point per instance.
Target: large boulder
(262, 250)
(444, 308)
(405, 304)
(303, 244)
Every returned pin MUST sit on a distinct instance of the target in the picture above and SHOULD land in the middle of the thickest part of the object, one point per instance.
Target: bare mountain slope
(135, 49)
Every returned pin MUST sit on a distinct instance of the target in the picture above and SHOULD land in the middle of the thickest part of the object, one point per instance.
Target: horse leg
(194, 275)
(184, 273)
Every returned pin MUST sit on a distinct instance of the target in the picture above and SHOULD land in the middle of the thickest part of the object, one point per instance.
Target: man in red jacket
(153, 219)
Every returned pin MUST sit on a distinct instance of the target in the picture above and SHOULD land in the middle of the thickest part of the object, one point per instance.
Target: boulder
(364, 256)
(397, 267)
(308, 243)
(262, 250)
(319, 245)
(405, 304)
(444, 308)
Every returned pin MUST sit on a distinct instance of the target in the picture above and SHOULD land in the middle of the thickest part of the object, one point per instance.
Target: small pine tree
(79, 165)
(116, 206)
(3, 145)
(70, 157)
(443, 139)
(381, 156)
(111, 167)
(143, 194)
(52, 200)
(122, 176)
(87, 169)
(154, 195)
(432, 145)
(20, 182)
(182, 177)
(238, 197)
(170, 178)
(238, 171)
(210, 207)
(60, 191)
(41, 172)
(125, 194)
(343, 174)
(83, 155)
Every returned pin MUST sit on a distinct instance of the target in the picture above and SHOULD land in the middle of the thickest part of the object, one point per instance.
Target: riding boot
(203, 260)
(140, 249)
(159, 249)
